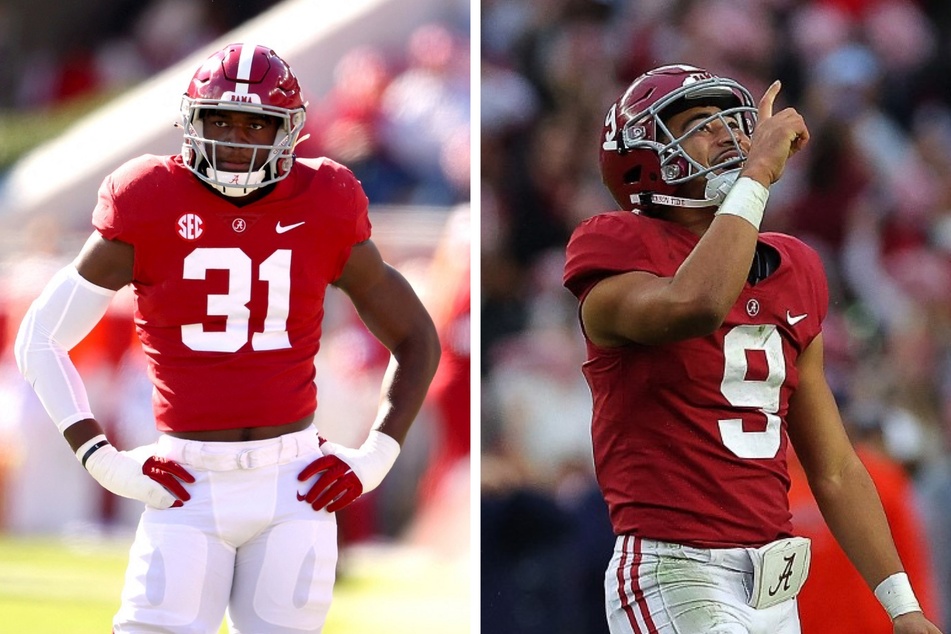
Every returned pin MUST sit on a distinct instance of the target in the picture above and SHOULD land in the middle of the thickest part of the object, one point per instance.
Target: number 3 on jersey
(275, 270)
(762, 394)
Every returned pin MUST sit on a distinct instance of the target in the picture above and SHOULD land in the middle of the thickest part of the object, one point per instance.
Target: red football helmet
(243, 78)
(642, 163)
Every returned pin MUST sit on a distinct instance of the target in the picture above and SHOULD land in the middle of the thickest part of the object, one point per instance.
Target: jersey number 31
(275, 270)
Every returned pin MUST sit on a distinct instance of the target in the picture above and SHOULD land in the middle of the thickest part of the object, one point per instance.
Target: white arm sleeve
(64, 313)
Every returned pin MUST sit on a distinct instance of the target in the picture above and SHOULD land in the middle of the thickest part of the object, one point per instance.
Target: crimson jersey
(689, 437)
(228, 299)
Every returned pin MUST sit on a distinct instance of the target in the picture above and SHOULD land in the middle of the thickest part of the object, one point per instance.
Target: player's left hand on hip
(336, 486)
(344, 474)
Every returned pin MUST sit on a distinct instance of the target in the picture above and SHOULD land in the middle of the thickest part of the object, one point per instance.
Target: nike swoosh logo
(284, 229)
(792, 320)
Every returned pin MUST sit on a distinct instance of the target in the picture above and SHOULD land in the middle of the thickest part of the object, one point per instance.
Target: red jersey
(229, 299)
(689, 437)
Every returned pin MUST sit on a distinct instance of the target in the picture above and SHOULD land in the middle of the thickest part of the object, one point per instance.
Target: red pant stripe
(640, 603)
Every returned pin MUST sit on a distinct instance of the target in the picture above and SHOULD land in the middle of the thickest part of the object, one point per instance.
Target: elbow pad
(65, 312)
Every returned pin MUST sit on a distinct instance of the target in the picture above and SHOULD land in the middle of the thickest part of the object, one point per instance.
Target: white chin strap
(238, 183)
(718, 186)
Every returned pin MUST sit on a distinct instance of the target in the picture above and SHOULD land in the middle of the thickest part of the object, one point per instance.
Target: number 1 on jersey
(275, 270)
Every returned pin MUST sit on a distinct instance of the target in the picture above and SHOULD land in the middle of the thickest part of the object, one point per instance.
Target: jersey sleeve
(810, 283)
(118, 211)
(811, 273)
(362, 226)
(345, 192)
(342, 195)
(104, 217)
(602, 246)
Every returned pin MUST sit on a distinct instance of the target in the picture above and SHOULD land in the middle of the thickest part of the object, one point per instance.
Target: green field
(49, 586)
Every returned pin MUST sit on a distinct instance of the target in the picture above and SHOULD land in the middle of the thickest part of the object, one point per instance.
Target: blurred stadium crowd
(872, 193)
(398, 117)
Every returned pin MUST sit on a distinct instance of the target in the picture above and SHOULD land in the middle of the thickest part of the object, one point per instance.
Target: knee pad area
(285, 579)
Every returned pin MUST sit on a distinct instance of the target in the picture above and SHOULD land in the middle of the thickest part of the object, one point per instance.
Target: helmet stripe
(244, 68)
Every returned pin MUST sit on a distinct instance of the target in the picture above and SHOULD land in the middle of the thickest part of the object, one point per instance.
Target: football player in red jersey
(704, 358)
(230, 247)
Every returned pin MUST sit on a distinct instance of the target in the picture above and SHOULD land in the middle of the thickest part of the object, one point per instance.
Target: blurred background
(872, 193)
(86, 86)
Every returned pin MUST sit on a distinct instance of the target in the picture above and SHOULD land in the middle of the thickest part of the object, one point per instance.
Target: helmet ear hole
(632, 175)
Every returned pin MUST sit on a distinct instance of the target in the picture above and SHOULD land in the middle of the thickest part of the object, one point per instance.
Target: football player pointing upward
(704, 356)
(229, 248)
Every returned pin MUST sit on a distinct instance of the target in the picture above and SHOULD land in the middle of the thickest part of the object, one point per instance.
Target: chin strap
(718, 186)
(244, 182)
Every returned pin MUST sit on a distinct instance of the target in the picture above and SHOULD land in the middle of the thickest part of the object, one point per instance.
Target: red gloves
(337, 487)
(155, 481)
(168, 473)
(345, 474)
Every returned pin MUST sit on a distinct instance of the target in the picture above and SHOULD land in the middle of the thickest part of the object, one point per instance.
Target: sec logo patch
(190, 226)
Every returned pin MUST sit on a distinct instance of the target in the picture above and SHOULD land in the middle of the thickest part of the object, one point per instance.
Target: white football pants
(657, 587)
(243, 542)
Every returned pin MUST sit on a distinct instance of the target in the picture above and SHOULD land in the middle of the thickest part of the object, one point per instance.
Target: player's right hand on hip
(157, 481)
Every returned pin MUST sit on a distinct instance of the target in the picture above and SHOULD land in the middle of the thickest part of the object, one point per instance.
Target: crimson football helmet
(243, 78)
(642, 163)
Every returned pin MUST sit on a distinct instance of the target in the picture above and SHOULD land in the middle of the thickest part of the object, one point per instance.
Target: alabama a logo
(783, 581)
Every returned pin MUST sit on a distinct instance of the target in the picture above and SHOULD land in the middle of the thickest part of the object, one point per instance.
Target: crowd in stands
(117, 45)
(871, 193)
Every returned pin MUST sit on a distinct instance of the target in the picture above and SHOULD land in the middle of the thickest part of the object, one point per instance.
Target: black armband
(99, 445)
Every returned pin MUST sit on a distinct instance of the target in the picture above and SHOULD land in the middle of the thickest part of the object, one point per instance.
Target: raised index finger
(765, 108)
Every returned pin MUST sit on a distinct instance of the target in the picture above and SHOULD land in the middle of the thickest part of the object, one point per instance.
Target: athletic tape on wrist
(896, 596)
(372, 461)
(380, 451)
(747, 199)
(90, 447)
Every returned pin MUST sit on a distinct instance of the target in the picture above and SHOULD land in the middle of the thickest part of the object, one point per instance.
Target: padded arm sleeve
(64, 313)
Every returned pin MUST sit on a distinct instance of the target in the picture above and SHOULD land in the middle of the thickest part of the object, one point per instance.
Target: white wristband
(372, 461)
(747, 199)
(896, 596)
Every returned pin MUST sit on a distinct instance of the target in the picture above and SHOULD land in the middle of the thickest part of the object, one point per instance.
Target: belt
(233, 456)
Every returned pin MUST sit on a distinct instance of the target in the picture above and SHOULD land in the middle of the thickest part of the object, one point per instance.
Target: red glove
(168, 473)
(348, 473)
(135, 474)
(336, 488)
